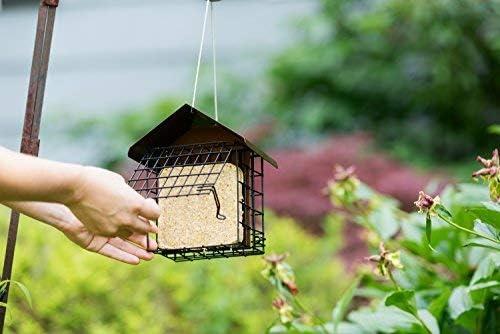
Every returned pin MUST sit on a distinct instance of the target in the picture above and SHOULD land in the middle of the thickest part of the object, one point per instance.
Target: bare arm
(23, 177)
(100, 199)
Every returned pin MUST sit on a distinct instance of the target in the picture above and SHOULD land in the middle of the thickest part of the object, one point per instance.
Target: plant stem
(467, 230)
(304, 310)
(393, 280)
(423, 324)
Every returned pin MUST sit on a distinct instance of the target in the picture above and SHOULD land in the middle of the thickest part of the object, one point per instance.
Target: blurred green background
(419, 79)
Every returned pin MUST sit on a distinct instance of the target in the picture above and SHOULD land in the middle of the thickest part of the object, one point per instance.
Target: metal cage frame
(212, 157)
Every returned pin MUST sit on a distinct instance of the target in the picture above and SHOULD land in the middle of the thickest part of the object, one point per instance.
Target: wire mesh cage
(211, 196)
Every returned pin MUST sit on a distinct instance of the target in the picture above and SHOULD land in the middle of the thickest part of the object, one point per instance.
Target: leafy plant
(9, 283)
(80, 292)
(409, 71)
(440, 274)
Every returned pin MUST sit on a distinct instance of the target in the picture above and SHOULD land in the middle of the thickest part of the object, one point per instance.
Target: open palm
(130, 250)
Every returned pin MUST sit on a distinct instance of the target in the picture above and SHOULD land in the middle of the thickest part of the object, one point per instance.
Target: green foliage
(495, 129)
(451, 287)
(340, 310)
(4, 284)
(78, 292)
(409, 71)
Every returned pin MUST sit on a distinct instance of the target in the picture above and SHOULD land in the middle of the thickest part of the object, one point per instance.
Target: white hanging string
(214, 57)
(200, 53)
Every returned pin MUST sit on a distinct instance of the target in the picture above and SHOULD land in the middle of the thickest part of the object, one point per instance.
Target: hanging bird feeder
(207, 179)
(209, 183)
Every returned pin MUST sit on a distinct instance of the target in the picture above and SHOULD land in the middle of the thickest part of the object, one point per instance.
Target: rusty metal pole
(30, 142)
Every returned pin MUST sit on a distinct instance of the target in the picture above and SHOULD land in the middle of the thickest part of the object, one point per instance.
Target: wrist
(73, 186)
(63, 219)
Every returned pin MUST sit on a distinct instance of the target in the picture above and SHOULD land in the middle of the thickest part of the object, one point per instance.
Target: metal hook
(216, 198)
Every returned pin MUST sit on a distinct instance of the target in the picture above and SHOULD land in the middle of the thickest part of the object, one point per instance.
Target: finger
(131, 249)
(150, 209)
(117, 254)
(142, 240)
(96, 243)
(142, 226)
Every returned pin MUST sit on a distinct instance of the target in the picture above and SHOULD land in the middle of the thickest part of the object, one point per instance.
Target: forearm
(53, 214)
(25, 178)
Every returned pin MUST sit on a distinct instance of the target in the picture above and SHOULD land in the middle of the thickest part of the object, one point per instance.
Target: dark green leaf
(488, 212)
(404, 300)
(428, 231)
(437, 306)
(443, 212)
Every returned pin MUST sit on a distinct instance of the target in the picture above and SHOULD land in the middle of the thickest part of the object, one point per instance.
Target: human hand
(108, 207)
(128, 250)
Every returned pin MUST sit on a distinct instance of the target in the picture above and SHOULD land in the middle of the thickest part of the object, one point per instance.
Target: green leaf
(404, 300)
(297, 327)
(459, 302)
(384, 221)
(22, 287)
(484, 285)
(494, 129)
(383, 320)
(437, 306)
(429, 321)
(487, 212)
(342, 305)
(347, 328)
(25, 291)
(277, 329)
(470, 194)
(481, 242)
(495, 207)
(428, 230)
(485, 229)
(486, 268)
(443, 212)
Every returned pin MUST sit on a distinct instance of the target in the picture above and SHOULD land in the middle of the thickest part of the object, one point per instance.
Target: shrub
(78, 292)
(435, 274)
(408, 71)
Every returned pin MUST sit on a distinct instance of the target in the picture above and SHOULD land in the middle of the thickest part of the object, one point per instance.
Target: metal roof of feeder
(180, 123)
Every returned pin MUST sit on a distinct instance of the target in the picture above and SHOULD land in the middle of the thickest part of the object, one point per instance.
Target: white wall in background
(112, 54)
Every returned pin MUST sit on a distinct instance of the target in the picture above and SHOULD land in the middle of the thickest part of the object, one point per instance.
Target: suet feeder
(209, 183)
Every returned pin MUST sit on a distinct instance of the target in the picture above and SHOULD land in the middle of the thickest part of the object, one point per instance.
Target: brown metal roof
(179, 123)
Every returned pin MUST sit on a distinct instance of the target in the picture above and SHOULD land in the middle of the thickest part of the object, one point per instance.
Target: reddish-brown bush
(296, 189)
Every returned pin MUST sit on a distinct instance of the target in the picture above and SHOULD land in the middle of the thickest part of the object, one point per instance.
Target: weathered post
(30, 142)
